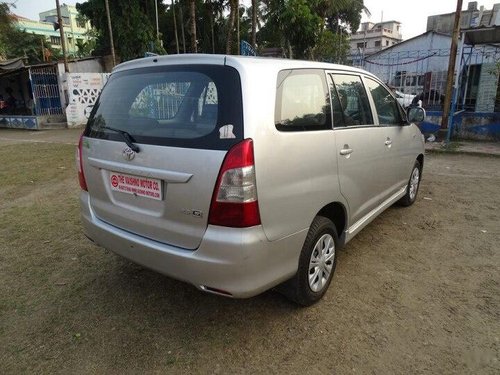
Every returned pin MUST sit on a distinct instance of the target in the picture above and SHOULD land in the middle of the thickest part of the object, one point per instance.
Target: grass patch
(28, 167)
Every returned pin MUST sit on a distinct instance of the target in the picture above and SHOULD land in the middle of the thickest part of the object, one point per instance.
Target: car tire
(413, 184)
(317, 262)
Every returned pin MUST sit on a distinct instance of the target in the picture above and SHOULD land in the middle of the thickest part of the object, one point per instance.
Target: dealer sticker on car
(138, 186)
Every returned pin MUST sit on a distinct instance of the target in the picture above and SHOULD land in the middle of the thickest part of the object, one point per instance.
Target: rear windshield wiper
(126, 137)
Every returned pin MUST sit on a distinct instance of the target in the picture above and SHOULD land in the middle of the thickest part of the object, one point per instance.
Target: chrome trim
(168, 176)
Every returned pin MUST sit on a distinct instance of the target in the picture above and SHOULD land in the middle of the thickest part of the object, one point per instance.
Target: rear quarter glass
(189, 106)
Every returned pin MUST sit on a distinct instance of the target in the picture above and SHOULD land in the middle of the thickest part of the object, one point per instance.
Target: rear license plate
(136, 185)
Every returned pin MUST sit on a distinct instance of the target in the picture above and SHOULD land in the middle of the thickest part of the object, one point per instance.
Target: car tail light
(79, 165)
(234, 202)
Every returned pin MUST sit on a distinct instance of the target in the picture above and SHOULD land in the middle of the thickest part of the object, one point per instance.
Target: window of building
(50, 19)
(361, 45)
(80, 22)
(302, 101)
(472, 86)
(386, 42)
(377, 43)
(55, 40)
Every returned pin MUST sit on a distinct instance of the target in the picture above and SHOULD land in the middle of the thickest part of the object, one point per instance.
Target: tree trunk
(192, 26)
(181, 16)
(212, 25)
(254, 23)
(175, 27)
(230, 28)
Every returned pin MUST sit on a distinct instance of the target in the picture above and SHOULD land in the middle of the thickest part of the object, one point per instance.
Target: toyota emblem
(128, 153)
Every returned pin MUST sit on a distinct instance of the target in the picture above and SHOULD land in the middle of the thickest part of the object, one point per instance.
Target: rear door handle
(346, 151)
(388, 142)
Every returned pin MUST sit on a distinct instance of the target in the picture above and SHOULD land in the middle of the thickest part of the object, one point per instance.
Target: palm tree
(192, 25)
(254, 23)
(175, 27)
(233, 10)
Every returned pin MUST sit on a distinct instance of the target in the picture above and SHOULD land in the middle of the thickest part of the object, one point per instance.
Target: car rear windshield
(196, 106)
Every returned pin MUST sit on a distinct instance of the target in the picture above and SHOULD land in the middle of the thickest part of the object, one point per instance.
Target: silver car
(240, 174)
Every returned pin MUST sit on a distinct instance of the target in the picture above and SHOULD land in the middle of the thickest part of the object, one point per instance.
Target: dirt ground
(417, 291)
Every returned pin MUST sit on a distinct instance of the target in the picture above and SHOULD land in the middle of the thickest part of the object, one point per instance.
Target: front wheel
(317, 263)
(413, 185)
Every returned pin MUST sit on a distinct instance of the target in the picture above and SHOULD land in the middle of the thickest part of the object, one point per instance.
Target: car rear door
(183, 119)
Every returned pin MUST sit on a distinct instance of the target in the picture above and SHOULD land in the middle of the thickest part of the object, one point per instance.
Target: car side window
(386, 105)
(302, 101)
(349, 101)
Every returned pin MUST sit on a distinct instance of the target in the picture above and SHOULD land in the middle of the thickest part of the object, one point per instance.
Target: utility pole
(63, 42)
(451, 69)
(110, 34)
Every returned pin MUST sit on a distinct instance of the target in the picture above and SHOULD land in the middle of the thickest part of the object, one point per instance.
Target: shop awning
(12, 64)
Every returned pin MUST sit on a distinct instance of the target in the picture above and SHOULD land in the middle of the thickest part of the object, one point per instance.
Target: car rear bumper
(238, 261)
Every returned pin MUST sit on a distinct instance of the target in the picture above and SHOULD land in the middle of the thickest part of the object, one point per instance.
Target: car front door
(397, 135)
(364, 173)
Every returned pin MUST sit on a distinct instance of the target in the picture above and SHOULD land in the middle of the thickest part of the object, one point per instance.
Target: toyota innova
(240, 174)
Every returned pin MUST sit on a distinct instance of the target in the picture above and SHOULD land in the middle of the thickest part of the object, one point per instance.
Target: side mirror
(415, 114)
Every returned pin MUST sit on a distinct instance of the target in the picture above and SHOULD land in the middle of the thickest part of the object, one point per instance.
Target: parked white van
(239, 174)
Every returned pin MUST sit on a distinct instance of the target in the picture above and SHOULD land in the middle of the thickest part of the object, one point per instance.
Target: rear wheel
(317, 263)
(413, 185)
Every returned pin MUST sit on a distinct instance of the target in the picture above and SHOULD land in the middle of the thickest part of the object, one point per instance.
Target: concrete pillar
(487, 90)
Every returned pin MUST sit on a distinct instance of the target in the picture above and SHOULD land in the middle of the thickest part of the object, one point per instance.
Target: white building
(472, 17)
(420, 65)
(75, 29)
(374, 37)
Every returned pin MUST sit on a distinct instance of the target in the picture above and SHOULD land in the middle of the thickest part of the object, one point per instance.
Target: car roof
(243, 62)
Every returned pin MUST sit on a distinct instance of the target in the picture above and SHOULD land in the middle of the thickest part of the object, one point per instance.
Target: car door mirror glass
(416, 114)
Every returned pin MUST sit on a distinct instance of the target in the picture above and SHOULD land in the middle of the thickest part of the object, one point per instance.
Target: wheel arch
(337, 213)
(420, 159)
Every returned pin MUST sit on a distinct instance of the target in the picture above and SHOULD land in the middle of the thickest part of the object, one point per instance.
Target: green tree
(331, 47)
(5, 28)
(133, 23)
(18, 43)
(299, 26)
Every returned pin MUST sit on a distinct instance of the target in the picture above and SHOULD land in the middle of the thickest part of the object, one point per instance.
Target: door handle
(388, 142)
(346, 151)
